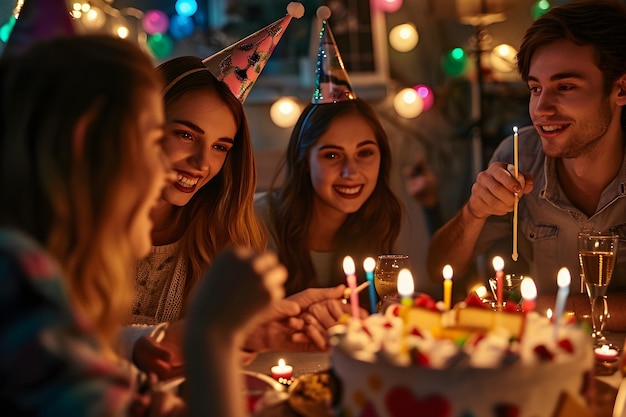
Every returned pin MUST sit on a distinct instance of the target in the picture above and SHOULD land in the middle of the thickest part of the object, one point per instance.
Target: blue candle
(368, 266)
(563, 280)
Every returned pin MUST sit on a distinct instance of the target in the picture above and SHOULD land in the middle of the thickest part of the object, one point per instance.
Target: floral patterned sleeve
(49, 365)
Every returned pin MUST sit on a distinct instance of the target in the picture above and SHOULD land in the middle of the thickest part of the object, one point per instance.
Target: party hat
(240, 64)
(332, 83)
(39, 20)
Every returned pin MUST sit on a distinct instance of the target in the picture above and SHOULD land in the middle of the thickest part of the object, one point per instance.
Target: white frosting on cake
(387, 368)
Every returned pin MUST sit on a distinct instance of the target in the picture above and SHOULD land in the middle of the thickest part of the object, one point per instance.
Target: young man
(571, 161)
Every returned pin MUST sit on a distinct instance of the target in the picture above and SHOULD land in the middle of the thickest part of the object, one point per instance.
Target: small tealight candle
(349, 269)
(606, 353)
(282, 370)
(498, 266)
(406, 287)
(447, 286)
(368, 265)
(529, 294)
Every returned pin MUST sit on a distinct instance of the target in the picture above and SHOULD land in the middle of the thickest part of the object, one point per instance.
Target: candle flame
(348, 265)
(447, 272)
(528, 288)
(515, 129)
(563, 278)
(498, 263)
(368, 264)
(281, 362)
(406, 286)
(549, 313)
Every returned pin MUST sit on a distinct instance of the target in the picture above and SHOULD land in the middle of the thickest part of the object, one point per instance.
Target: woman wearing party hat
(335, 199)
(210, 206)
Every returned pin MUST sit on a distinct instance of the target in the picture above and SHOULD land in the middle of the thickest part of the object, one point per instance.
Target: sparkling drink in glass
(596, 253)
(386, 276)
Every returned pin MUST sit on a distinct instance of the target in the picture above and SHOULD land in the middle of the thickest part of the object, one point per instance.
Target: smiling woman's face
(199, 132)
(344, 165)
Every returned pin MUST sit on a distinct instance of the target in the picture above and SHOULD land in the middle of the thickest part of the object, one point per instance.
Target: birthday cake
(467, 362)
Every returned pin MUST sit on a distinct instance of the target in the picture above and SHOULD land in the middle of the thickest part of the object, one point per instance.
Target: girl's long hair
(222, 212)
(370, 231)
(77, 196)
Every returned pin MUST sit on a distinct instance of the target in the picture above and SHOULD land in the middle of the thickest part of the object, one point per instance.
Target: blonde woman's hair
(70, 146)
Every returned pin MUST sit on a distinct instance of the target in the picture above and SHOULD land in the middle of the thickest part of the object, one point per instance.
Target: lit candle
(605, 353)
(447, 286)
(514, 255)
(368, 266)
(348, 269)
(529, 294)
(563, 280)
(282, 370)
(406, 287)
(498, 265)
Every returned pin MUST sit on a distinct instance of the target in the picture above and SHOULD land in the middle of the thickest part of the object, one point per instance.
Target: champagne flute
(386, 276)
(597, 252)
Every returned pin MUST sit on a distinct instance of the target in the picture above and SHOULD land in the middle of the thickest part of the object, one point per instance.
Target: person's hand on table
(494, 191)
(322, 308)
(161, 355)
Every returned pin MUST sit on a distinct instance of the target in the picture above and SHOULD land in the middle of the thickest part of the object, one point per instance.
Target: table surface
(311, 362)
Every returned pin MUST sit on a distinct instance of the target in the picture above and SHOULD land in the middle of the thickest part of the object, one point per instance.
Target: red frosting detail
(543, 353)
(474, 300)
(401, 402)
(395, 310)
(387, 325)
(416, 332)
(425, 301)
(566, 345)
(366, 330)
(510, 307)
(419, 358)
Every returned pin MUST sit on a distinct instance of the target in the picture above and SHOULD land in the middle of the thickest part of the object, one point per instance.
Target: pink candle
(282, 370)
(349, 269)
(529, 294)
(498, 265)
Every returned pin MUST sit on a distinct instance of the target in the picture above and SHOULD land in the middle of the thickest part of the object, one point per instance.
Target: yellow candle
(447, 286)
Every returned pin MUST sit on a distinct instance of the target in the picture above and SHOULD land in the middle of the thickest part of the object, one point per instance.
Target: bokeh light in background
(155, 21)
(454, 62)
(160, 44)
(186, 8)
(285, 111)
(539, 8)
(94, 19)
(404, 37)
(427, 96)
(408, 104)
(389, 6)
(181, 26)
(502, 58)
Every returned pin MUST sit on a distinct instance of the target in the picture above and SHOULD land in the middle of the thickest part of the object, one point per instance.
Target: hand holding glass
(597, 252)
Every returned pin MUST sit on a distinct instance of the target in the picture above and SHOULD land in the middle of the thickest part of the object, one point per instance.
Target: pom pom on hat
(295, 9)
(323, 12)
